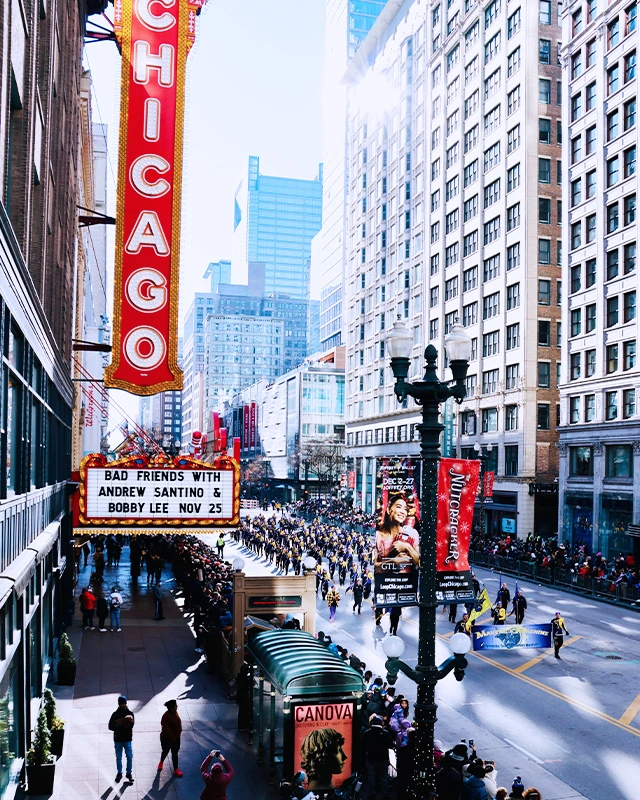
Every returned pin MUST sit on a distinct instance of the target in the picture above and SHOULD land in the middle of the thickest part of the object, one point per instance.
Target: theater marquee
(162, 492)
(155, 37)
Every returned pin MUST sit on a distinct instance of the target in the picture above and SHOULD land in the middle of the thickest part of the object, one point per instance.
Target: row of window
(582, 408)
(613, 267)
(613, 352)
(489, 419)
(618, 461)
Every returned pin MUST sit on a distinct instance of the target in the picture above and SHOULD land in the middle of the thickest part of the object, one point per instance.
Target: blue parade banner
(511, 637)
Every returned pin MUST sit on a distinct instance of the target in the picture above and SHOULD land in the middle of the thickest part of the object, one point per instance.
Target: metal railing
(600, 588)
(24, 517)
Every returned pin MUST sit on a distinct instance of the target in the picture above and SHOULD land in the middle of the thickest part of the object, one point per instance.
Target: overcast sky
(253, 88)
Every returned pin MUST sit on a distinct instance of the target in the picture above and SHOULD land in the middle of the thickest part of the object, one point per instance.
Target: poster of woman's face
(323, 736)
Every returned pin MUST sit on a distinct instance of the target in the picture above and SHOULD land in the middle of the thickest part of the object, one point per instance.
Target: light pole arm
(456, 662)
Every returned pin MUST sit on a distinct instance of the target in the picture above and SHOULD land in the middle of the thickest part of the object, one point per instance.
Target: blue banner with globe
(511, 637)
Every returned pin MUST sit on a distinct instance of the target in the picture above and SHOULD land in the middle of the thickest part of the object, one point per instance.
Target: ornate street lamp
(483, 456)
(428, 393)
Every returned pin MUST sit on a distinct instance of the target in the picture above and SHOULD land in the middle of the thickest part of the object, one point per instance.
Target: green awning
(295, 663)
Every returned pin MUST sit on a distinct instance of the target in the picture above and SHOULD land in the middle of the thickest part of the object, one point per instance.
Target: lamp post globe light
(428, 393)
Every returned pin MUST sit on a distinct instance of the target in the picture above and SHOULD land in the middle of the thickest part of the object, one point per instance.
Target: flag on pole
(499, 586)
(483, 604)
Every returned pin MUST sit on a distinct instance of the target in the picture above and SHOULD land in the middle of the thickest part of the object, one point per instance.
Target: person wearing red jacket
(216, 777)
(87, 604)
(170, 736)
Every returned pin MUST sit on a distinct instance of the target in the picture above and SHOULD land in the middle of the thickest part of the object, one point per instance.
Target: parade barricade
(307, 704)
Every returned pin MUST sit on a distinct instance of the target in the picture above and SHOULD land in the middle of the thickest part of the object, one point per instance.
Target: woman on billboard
(396, 543)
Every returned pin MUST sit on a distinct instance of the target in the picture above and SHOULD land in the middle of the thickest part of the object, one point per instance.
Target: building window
(544, 374)
(629, 354)
(613, 218)
(544, 131)
(580, 462)
(612, 358)
(544, 292)
(544, 210)
(544, 416)
(629, 306)
(492, 230)
(613, 33)
(544, 170)
(619, 462)
(574, 366)
(545, 91)
(629, 209)
(491, 306)
(511, 418)
(589, 407)
(469, 314)
(612, 311)
(470, 208)
(513, 216)
(630, 114)
(513, 256)
(512, 373)
(576, 235)
(489, 420)
(590, 316)
(513, 139)
(630, 162)
(613, 79)
(491, 268)
(628, 403)
(468, 419)
(490, 381)
(544, 333)
(574, 410)
(511, 459)
(513, 336)
(469, 279)
(513, 296)
(612, 264)
(610, 406)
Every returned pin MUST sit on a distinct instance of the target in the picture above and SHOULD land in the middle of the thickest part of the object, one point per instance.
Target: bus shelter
(307, 704)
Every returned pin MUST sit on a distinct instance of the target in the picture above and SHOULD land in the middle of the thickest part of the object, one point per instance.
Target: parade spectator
(376, 743)
(102, 609)
(87, 605)
(115, 604)
(216, 776)
(121, 723)
(157, 596)
(170, 733)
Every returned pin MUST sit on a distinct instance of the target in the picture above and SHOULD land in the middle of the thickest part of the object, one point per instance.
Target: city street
(571, 727)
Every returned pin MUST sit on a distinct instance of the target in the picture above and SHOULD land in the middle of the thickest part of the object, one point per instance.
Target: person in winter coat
(405, 761)
(216, 777)
(499, 614)
(102, 609)
(519, 607)
(333, 598)
(121, 723)
(449, 777)
(376, 743)
(358, 593)
(473, 787)
(170, 734)
(88, 605)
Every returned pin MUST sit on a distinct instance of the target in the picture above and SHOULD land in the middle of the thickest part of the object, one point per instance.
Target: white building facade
(454, 213)
(600, 423)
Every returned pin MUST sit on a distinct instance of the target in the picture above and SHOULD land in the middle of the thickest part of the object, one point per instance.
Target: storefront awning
(20, 570)
(44, 543)
(295, 663)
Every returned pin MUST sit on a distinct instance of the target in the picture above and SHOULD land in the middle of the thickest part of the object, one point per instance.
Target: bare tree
(323, 458)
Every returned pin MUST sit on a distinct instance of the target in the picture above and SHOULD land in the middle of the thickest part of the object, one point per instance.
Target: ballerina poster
(397, 544)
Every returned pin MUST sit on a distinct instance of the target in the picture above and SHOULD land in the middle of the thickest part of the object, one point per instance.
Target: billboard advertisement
(154, 39)
(457, 488)
(137, 491)
(397, 543)
(511, 637)
(323, 745)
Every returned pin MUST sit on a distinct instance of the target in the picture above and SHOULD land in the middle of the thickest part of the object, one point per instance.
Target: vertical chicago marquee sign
(155, 37)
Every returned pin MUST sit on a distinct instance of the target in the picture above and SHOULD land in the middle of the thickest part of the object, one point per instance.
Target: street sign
(158, 492)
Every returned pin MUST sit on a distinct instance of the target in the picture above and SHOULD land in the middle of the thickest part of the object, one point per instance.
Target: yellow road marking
(630, 713)
(622, 723)
(542, 657)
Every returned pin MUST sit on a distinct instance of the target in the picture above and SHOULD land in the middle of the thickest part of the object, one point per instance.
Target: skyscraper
(454, 210)
(600, 426)
(347, 24)
(275, 220)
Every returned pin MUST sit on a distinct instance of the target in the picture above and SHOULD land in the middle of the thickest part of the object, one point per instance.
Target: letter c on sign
(139, 180)
(146, 289)
(156, 23)
(144, 348)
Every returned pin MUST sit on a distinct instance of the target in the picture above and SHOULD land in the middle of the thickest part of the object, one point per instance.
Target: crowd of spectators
(340, 511)
(546, 553)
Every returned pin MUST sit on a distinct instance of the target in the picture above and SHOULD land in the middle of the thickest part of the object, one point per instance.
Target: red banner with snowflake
(457, 488)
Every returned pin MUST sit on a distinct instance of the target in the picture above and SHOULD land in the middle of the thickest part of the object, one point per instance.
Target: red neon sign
(155, 37)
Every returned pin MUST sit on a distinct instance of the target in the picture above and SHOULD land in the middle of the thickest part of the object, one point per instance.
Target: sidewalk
(150, 662)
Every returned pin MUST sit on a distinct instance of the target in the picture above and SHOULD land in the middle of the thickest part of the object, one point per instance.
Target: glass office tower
(275, 220)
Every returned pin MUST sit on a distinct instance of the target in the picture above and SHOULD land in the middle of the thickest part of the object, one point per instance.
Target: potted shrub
(66, 662)
(41, 764)
(54, 723)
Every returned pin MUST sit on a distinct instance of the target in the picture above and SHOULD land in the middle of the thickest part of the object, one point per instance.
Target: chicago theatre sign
(155, 37)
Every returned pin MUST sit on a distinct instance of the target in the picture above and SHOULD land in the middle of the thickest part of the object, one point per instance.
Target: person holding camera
(216, 776)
